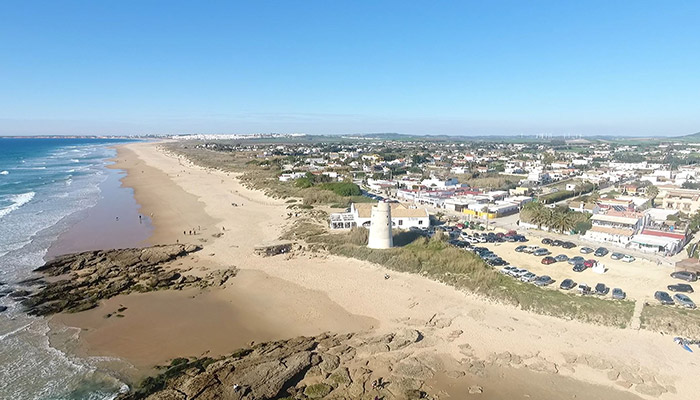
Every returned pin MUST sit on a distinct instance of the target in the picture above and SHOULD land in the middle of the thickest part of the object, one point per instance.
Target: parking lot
(639, 279)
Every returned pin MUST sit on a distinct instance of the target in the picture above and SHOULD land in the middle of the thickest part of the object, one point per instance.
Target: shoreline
(179, 194)
(116, 221)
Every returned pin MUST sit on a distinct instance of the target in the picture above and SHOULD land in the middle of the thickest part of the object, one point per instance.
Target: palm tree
(562, 221)
(652, 192)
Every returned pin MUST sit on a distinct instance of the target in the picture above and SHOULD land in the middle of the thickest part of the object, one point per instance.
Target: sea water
(46, 185)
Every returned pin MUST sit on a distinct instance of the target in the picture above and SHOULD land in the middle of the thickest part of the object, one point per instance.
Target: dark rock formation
(326, 366)
(95, 275)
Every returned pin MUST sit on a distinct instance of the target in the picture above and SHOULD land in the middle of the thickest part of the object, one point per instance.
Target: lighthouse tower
(380, 227)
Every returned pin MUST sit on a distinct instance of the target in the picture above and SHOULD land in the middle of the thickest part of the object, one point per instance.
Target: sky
(330, 67)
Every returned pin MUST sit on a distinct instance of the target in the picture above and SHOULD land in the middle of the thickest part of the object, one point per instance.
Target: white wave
(75, 160)
(17, 202)
(5, 173)
(14, 331)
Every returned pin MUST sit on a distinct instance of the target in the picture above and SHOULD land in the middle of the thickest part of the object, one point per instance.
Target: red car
(589, 263)
(460, 226)
(548, 260)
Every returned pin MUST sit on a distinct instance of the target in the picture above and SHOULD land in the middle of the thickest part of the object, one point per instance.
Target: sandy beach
(281, 297)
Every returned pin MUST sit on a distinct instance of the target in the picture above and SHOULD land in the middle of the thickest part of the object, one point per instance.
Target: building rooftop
(364, 210)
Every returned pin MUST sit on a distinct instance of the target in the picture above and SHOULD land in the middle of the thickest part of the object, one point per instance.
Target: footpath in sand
(281, 297)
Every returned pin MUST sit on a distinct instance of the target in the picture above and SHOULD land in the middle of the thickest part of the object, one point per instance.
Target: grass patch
(463, 270)
(671, 320)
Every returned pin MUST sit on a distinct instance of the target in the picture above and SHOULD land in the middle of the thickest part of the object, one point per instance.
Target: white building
(360, 214)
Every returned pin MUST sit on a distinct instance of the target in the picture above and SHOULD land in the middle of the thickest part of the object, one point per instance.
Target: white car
(528, 277)
(518, 272)
(507, 269)
(628, 258)
(530, 249)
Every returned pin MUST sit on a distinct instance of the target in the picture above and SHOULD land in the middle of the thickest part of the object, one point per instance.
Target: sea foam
(17, 202)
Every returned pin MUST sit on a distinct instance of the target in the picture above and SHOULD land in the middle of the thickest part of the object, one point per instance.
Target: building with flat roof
(360, 214)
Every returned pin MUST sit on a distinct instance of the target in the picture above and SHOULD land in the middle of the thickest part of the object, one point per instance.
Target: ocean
(48, 187)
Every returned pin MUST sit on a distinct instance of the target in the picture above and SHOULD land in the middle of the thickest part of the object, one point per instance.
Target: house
(614, 227)
(439, 183)
(686, 201)
(402, 217)
(291, 176)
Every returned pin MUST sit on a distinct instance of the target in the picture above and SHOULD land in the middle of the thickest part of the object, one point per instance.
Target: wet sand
(159, 326)
(113, 223)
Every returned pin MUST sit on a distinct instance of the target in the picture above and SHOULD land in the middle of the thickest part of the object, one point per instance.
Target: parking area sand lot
(639, 279)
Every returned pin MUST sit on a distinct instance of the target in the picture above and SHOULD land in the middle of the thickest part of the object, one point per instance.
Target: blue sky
(468, 68)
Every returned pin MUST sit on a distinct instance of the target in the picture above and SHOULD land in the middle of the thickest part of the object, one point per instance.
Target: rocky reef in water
(337, 366)
(83, 279)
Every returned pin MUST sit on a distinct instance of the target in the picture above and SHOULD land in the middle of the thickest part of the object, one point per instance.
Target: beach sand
(280, 297)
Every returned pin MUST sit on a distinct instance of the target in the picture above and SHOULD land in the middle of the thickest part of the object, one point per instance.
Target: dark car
(616, 256)
(579, 268)
(557, 242)
(548, 260)
(600, 252)
(663, 298)
(586, 250)
(562, 258)
(568, 245)
(520, 248)
(546, 241)
(544, 280)
(685, 276)
(680, 287)
(576, 260)
(618, 294)
(520, 238)
(601, 289)
(567, 284)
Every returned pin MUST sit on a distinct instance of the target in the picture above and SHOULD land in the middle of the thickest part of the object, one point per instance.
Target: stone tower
(380, 227)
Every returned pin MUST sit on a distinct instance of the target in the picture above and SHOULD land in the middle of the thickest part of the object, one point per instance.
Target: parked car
(589, 263)
(528, 277)
(579, 268)
(506, 270)
(557, 242)
(544, 280)
(601, 289)
(628, 258)
(546, 241)
(568, 245)
(663, 298)
(683, 300)
(680, 287)
(541, 252)
(600, 252)
(520, 248)
(548, 260)
(618, 294)
(567, 284)
(586, 250)
(562, 258)
(685, 276)
(617, 256)
(576, 260)
(584, 289)
(520, 238)
(530, 249)
(518, 272)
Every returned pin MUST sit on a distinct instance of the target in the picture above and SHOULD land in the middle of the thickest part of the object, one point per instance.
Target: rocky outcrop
(87, 278)
(325, 366)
